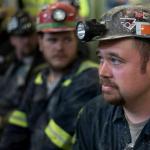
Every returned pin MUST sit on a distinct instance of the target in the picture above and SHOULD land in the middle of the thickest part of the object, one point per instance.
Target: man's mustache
(107, 82)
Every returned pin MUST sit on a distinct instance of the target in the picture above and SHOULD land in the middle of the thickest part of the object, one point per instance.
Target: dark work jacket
(13, 83)
(102, 126)
(48, 122)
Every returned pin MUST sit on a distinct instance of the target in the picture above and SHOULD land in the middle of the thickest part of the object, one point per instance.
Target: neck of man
(138, 111)
(54, 75)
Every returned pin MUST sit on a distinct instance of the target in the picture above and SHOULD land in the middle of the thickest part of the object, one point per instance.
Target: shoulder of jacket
(82, 69)
(40, 67)
(97, 107)
(86, 65)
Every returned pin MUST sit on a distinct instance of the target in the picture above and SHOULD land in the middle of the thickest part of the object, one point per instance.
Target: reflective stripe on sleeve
(58, 136)
(18, 118)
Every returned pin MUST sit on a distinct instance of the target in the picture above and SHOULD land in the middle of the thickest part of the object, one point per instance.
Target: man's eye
(115, 61)
(68, 39)
(51, 40)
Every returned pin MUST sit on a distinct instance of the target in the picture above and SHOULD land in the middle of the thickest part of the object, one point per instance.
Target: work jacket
(47, 122)
(14, 82)
(102, 126)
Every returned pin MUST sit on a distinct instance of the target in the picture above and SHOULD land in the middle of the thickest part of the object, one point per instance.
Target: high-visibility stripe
(74, 138)
(84, 8)
(40, 67)
(58, 136)
(86, 65)
(55, 25)
(38, 79)
(67, 82)
(18, 118)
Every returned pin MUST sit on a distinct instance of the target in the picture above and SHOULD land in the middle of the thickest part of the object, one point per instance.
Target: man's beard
(114, 97)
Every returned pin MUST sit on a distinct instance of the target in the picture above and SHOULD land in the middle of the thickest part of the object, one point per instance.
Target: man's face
(24, 45)
(59, 49)
(120, 72)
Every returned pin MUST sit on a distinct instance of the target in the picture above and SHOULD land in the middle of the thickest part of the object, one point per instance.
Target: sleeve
(16, 135)
(72, 99)
(83, 133)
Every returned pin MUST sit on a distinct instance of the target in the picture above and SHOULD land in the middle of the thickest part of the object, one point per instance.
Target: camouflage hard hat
(20, 23)
(119, 22)
(126, 21)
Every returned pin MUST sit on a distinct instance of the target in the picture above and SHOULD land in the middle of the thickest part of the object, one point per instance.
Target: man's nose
(60, 45)
(104, 70)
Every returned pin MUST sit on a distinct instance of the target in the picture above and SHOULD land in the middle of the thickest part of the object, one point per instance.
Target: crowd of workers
(54, 97)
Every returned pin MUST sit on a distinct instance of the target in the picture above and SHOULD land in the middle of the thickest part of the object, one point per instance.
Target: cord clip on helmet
(119, 22)
(57, 17)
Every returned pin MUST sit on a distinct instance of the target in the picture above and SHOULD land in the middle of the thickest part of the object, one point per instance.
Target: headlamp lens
(80, 31)
(59, 15)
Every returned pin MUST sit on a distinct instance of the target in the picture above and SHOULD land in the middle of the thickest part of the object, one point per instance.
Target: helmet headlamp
(59, 15)
(89, 30)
